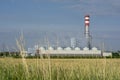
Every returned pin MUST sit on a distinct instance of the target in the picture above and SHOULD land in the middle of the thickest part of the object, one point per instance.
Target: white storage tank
(94, 49)
(59, 48)
(77, 48)
(68, 48)
(50, 48)
(42, 48)
(85, 48)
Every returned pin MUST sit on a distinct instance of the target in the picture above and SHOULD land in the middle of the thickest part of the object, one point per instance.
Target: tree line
(17, 55)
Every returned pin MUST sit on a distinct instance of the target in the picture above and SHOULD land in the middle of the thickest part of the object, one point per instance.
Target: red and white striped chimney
(87, 23)
(87, 20)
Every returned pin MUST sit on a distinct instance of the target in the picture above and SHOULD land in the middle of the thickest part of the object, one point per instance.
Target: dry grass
(60, 69)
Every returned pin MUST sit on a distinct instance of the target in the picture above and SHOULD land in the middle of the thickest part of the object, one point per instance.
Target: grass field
(59, 69)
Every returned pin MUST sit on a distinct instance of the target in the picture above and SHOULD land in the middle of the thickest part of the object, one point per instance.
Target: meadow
(59, 69)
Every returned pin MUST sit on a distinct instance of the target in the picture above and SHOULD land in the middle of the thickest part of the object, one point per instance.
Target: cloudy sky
(64, 18)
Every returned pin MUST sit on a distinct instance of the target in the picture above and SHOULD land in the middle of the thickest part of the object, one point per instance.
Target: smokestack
(87, 23)
(87, 33)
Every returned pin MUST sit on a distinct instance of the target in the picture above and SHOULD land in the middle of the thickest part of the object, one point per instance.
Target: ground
(59, 69)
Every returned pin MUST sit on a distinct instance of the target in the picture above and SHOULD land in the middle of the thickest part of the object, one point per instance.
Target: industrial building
(73, 50)
(68, 51)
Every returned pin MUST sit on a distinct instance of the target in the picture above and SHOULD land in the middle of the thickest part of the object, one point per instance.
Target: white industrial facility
(68, 51)
(73, 50)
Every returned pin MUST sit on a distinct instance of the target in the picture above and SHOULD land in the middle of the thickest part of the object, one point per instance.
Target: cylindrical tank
(68, 48)
(94, 49)
(42, 48)
(86, 48)
(50, 48)
(77, 48)
(59, 48)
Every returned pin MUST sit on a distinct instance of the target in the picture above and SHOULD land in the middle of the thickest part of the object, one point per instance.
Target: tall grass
(60, 69)
(21, 47)
(57, 69)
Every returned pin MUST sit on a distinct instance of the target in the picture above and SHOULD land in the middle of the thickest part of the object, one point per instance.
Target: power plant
(73, 50)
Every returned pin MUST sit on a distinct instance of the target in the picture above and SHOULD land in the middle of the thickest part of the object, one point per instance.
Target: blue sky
(60, 17)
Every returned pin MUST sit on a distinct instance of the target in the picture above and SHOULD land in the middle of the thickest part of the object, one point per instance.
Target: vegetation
(116, 54)
(59, 69)
(18, 55)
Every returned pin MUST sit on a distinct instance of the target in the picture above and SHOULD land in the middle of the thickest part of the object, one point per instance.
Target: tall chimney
(87, 32)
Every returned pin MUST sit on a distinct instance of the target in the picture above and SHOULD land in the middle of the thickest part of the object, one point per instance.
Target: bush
(116, 54)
